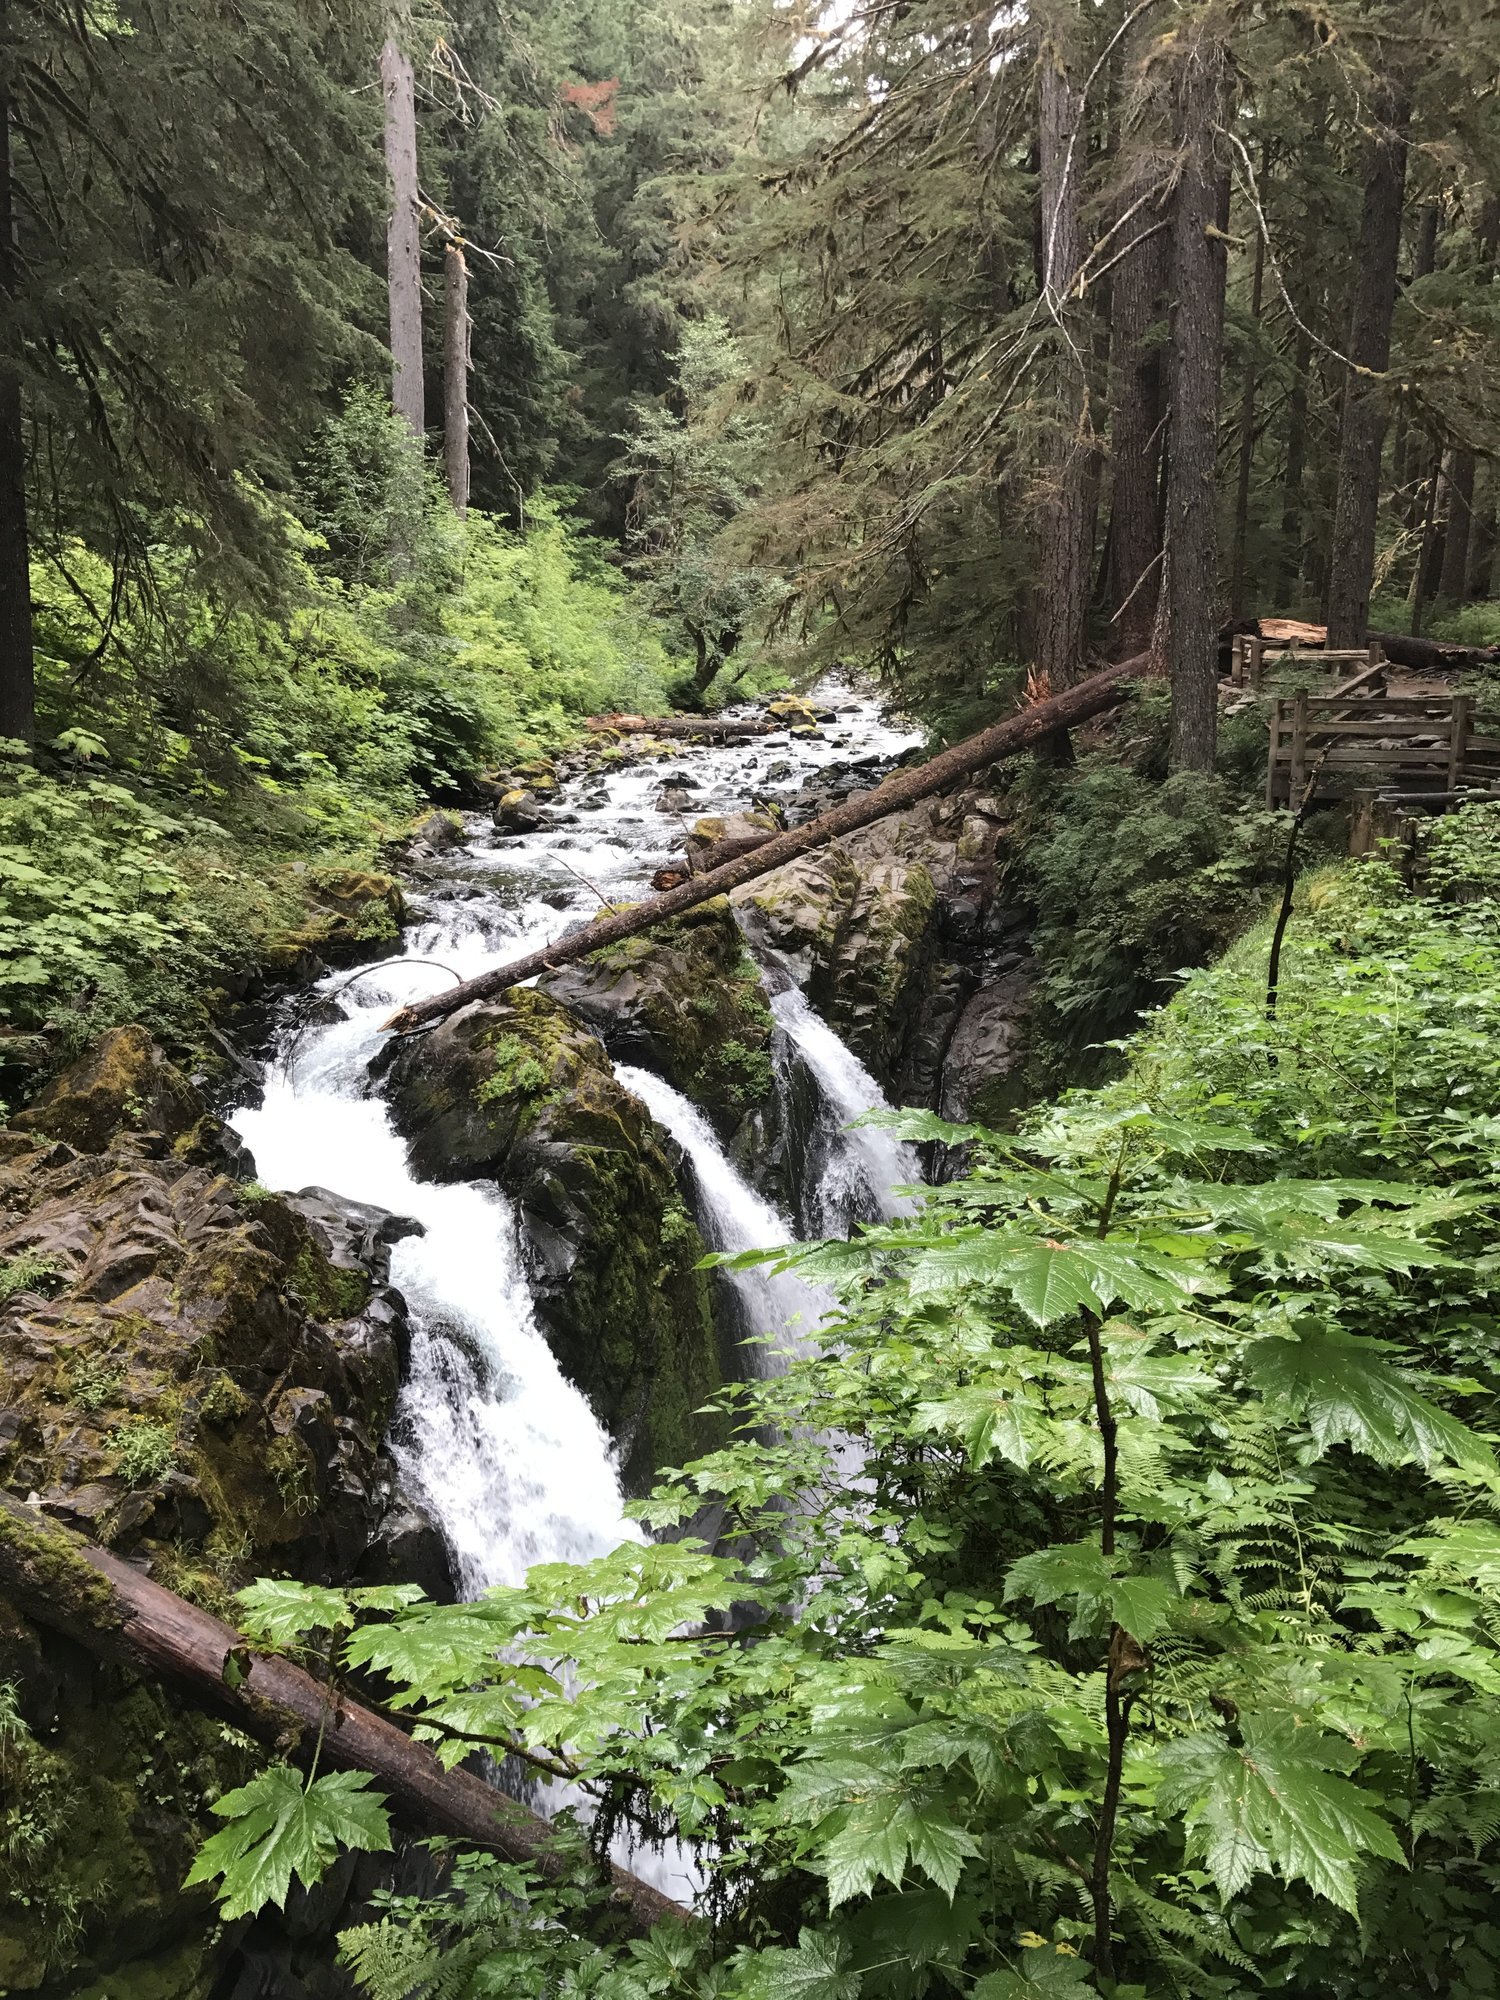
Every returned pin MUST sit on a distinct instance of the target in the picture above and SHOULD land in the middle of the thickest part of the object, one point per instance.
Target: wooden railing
(1252, 655)
(1346, 741)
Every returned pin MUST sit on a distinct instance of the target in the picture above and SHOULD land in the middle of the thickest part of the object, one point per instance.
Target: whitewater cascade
(775, 1314)
(502, 1450)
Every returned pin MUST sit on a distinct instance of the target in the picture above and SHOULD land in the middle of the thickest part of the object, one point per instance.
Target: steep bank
(200, 1375)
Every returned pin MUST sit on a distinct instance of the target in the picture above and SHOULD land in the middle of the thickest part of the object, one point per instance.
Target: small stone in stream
(779, 770)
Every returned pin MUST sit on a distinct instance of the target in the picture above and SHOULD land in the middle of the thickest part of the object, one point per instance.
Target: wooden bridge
(1358, 740)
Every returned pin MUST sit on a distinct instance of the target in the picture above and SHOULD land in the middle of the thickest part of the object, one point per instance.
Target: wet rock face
(519, 1092)
(198, 1374)
(189, 1374)
(687, 1002)
(899, 937)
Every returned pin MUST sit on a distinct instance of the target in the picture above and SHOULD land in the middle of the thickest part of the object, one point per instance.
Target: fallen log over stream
(114, 1611)
(904, 788)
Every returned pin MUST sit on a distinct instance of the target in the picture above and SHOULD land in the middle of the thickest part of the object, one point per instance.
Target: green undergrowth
(1133, 877)
(204, 768)
(1157, 1648)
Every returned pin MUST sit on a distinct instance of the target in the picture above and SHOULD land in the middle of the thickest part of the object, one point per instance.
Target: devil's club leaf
(279, 1828)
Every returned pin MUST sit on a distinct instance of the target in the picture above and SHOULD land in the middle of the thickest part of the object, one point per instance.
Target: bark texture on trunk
(1192, 537)
(17, 661)
(1002, 739)
(1137, 304)
(1362, 432)
(1289, 563)
(1062, 581)
(1247, 419)
(1482, 546)
(113, 1611)
(403, 241)
(456, 376)
(1453, 582)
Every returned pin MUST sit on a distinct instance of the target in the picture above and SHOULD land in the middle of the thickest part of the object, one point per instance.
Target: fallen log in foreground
(74, 1587)
(903, 788)
(703, 728)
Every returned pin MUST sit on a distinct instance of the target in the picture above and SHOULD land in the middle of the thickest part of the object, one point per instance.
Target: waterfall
(502, 1450)
(732, 1216)
(849, 1175)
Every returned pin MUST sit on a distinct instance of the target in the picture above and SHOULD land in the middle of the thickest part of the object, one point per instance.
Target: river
(500, 1447)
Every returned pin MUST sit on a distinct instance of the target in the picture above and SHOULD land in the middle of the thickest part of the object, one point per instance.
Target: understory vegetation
(203, 774)
(1155, 1649)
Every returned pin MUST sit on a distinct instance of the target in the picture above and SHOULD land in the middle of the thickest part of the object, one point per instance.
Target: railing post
(1273, 752)
(1255, 648)
(1458, 740)
(1297, 776)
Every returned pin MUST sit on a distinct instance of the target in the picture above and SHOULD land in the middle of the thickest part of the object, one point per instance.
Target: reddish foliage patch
(597, 103)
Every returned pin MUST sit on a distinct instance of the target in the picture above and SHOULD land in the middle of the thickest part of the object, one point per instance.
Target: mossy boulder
(518, 1091)
(123, 1084)
(890, 931)
(350, 914)
(194, 1370)
(858, 924)
(685, 1000)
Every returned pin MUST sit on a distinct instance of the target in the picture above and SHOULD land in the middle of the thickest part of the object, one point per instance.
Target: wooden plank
(1377, 731)
(1398, 708)
(1367, 684)
(1297, 775)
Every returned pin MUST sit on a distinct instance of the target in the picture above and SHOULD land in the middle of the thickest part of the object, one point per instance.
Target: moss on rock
(686, 1000)
(518, 1091)
(351, 913)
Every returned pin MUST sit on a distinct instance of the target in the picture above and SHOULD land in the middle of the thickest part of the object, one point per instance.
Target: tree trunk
(1062, 581)
(1192, 534)
(1247, 418)
(1453, 580)
(115, 1612)
(1421, 575)
(1362, 431)
(403, 241)
(905, 788)
(1137, 305)
(1482, 547)
(17, 664)
(1289, 565)
(456, 376)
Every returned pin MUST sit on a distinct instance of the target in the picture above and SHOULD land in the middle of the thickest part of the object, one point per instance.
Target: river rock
(518, 1091)
(520, 812)
(686, 1001)
(982, 1080)
(889, 931)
